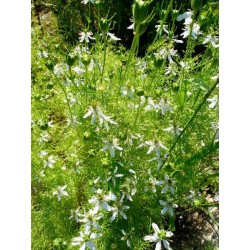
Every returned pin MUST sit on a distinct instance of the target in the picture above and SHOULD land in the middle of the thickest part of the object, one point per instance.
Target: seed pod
(50, 65)
(158, 61)
(50, 85)
(175, 14)
(70, 59)
(196, 4)
(104, 25)
(143, 28)
(140, 10)
(140, 91)
(86, 59)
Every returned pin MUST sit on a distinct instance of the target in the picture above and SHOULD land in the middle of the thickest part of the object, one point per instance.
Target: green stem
(104, 57)
(137, 113)
(68, 103)
(193, 116)
(162, 23)
(132, 49)
(86, 85)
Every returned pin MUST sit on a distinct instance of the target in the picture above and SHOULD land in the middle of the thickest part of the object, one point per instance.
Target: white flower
(173, 130)
(86, 1)
(86, 240)
(171, 69)
(159, 237)
(113, 37)
(100, 200)
(49, 163)
(216, 127)
(212, 39)
(213, 101)
(159, 161)
(152, 182)
(153, 146)
(44, 54)
(132, 26)
(177, 40)
(43, 153)
(167, 185)
(44, 137)
(119, 209)
(90, 219)
(187, 25)
(85, 36)
(162, 105)
(126, 237)
(195, 31)
(42, 173)
(60, 192)
(215, 78)
(171, 52)
(112, 146)
(168, 207)
(192, 195)
(78, 70)
(164, 28)
(96, 112)
(73, 122)
(60, 69)
(127, 91)
(76, 215)
(184, 65)
(128, 189)
(114, 175)
(130, 138)
(187, 16)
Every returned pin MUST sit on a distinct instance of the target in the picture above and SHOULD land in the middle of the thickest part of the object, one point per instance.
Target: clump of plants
(122, 145)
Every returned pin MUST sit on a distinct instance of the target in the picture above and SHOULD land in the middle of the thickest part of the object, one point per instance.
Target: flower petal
(158, 246)
(155, 227)
(151, 238)
(166, 244)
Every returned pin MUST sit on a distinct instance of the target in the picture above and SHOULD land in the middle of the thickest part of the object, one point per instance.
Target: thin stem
(132, 49)
(162, 23)
(68, 103)
(104, 57)
(193, 116)
(137, 113)
(86, 84)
